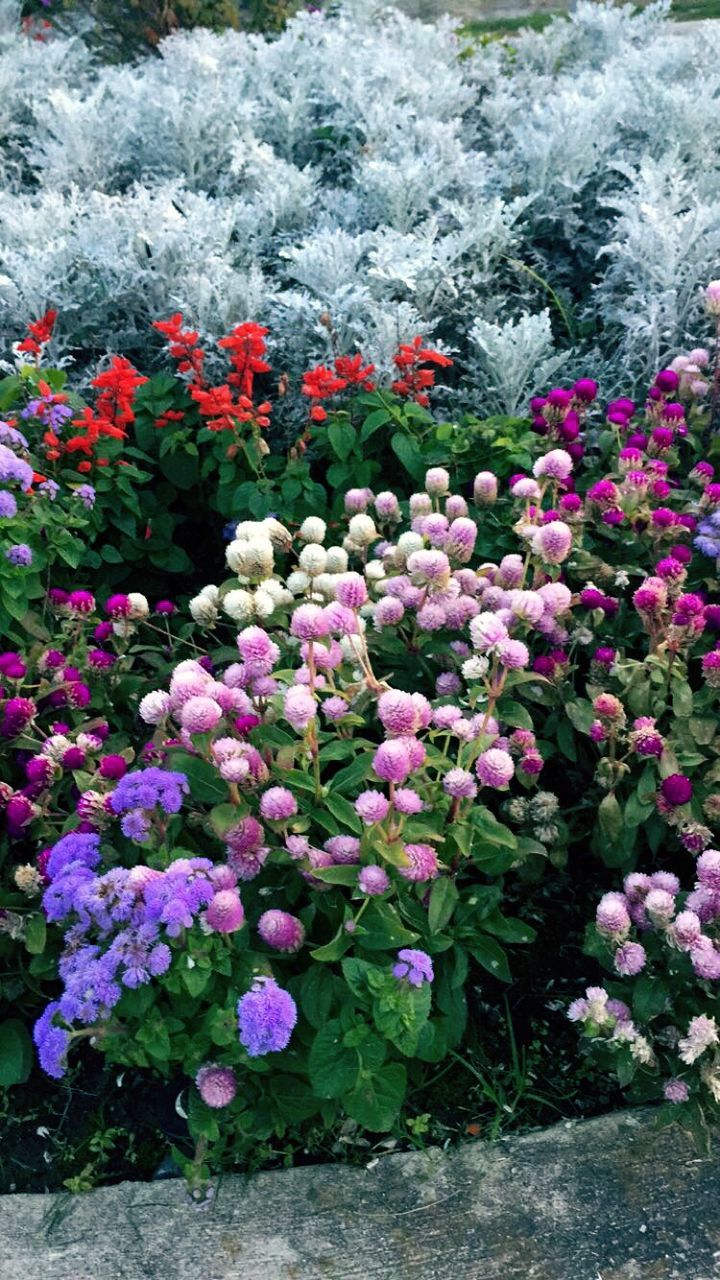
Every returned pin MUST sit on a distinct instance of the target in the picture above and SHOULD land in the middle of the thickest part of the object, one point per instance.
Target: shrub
(288, 180)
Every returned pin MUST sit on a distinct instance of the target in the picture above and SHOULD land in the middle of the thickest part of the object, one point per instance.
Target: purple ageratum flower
(73, 848)
(135, 826)
(51, 1042)
(414, 967)
(85, 494)
(266, 1017)
(216, 1085)
(148, 789)
(14, 469)
(176, 897)
(20, 555)
(8, 505)
(373, 880)
(140, 955)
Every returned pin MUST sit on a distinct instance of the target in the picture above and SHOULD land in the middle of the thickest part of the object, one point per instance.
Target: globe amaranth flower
(495, 767)
(612, 917)
(676, 790)
(224, 912)
(630, 958)
(281, 931)
(277, 804)
(702, 1033)
(216, 1085)
(414, 967)
(676, 1091)
(392, 761)
(422, 863)
(266, 1018)
(373, 880)
(372, 806)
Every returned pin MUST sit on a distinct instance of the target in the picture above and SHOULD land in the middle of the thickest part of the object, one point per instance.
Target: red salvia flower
(352, 370)
(247, 347)
(183, 346)
(118, 385)
(39, 332)
(414, 382)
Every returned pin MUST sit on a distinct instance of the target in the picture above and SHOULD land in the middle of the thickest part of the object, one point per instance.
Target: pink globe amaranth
(630, 958)
(676, 1091)
(422, 863)
(388, 612)
(200, 715)
(351, 590)
(392, 761)
(309, 622)
(686, 930)
(299, 707)
(553, 541)
(216, 1085)
(667, 381)
(485, 488)
(371, 807)
(660, 905)
(495, 768)
(278, 804)
(407, 801)
(397, 711)
(224, 912)
(708, 869)
(281, 931)
(344, 850)
(460, 784)
(373, 880)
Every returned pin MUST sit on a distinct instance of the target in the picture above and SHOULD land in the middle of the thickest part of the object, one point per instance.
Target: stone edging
(612, 1198)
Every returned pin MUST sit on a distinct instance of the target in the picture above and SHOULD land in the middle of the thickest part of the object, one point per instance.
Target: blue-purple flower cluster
(266, 1018)
(708, 536)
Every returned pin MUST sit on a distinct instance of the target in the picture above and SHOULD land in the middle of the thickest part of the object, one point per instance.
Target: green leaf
(491, 956)
(384, 929)
(373, 422)
(334, 949)
(682, 699)
(294, 1099)
(443, 899)
(332, 1067)
(316, 993)
(206, 785)
(377, 1100)
(346, 875)
(490, 830)
(515, 714)
(650, 996)
(405, 448)
(35, 934)
(580, 714)
(342, 438)
(195, 979)
(16, 1054)
(345, 813)
(508, 929)
(610, 817)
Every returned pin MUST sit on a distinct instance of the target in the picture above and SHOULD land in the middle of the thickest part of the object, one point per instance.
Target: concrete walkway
(606, 1199)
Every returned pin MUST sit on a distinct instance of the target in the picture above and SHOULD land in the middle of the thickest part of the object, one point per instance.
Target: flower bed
(284, 846)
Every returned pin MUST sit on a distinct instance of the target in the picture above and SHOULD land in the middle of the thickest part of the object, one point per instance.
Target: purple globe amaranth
(676, 790)
(266, 1018)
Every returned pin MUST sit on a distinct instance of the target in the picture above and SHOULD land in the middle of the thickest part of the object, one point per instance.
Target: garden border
(612, 1198)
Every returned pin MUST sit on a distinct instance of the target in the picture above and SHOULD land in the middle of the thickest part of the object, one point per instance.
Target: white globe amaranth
(312, 529)
(239, 605)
